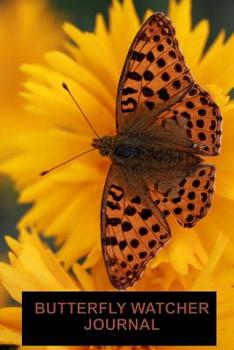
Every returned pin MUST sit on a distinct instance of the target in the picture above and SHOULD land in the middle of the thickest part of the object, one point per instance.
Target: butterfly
(165, 124)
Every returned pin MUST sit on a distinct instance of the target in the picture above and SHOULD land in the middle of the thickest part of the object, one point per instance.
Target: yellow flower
(26, 257)
(44, 272)
(32, 267)
(66, 204)
(27, 30)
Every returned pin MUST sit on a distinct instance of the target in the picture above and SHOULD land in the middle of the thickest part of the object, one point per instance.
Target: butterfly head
(105, 145)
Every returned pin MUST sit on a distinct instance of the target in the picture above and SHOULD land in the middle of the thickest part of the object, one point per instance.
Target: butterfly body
(139, 153)
(166, 124)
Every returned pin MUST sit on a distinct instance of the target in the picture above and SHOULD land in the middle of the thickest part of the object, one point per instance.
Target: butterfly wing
(185, 193)
(157, 93)
(132, 228)
(154, 75)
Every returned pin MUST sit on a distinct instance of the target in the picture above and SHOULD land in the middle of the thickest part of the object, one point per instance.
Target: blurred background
(220, 13)
(82, 13)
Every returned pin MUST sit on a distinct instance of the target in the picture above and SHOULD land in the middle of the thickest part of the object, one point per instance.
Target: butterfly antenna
(64, 85)
(45, 172)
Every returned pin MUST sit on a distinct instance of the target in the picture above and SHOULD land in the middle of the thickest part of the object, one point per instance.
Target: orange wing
(156, 89)
(154, 75)
(133, 229)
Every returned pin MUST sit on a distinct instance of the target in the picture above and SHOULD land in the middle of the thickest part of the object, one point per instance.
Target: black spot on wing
(130, 103)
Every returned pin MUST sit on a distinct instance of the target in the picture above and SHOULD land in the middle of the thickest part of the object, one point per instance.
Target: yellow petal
(84, 278)
(10, 325)
(181, 14)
